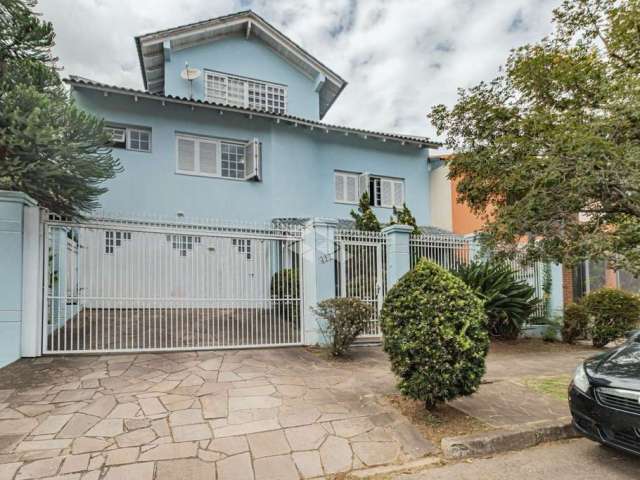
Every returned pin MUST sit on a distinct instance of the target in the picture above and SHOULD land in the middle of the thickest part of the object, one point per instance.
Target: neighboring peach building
(451, 214)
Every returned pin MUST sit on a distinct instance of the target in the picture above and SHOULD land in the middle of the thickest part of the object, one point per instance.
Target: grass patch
(553, 386)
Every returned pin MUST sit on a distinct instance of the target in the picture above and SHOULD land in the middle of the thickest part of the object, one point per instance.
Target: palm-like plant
(508, 302)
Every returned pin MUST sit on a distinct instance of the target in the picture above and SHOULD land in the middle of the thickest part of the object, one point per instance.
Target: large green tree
(49, 148)
(552, 146)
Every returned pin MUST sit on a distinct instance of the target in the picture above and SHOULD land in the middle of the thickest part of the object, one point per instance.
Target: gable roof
(151, 51)
(420, 142)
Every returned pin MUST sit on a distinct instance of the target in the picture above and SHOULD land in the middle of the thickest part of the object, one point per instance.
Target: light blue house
(229, 126)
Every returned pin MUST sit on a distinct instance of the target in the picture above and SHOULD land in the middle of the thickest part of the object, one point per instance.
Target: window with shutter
(386, 192)
(186, 154)
(340, 181)
(208, 156)
(386, 187)
(346, 185)
(217, 158)
(398, 193)
(252, 167)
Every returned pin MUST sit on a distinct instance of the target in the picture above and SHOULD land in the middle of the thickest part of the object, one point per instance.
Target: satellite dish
(190, 73)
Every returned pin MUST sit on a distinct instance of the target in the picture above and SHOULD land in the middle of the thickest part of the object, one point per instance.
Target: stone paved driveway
(263, 414)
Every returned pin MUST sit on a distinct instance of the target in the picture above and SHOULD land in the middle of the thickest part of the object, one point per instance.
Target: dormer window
(245, 92)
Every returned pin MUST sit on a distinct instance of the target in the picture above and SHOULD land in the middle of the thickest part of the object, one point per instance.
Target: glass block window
(232, 156)
(244, 92)
(216, 88)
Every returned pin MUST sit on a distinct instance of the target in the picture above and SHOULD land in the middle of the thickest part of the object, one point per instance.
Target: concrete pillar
(398, 255)
(12, 212)
(32, 287)
(474, 247)
(319, 281)
(557, 291)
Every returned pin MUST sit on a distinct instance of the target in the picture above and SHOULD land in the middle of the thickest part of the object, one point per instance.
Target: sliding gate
(361, 271)
(120, 285)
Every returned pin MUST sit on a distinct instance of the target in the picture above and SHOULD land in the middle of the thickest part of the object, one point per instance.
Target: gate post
(13, 265)
(318, 271)
(398, 253)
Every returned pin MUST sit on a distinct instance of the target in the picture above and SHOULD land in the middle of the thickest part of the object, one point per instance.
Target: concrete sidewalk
(504, 400)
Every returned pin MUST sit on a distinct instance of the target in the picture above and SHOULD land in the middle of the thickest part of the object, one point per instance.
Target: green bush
(346, 318)
(285, 284)
(435, 333)
(612, 313)
(575, 323)
(508, 302)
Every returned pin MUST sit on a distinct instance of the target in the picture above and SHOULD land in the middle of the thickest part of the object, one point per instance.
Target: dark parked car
(604, 397)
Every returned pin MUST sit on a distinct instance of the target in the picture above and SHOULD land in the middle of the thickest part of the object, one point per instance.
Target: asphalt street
(575, 459)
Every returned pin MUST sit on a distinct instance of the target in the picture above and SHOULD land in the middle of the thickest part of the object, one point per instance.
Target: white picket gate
(361, 271)
(114, 285)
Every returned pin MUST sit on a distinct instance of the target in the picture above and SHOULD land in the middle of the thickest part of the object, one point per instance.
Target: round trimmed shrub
(575, 323)
(612, 313)
(435, 332)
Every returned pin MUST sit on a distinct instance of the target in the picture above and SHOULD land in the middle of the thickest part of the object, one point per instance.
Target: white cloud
(399, 57)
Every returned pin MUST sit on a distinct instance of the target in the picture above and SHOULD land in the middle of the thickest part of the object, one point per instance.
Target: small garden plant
(435, 333)
(365, 217)
(345, 319)
(612, 313)
(508, 302)
(575, 323)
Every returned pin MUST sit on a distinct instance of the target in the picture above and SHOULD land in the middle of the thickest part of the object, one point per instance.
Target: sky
(399, 57)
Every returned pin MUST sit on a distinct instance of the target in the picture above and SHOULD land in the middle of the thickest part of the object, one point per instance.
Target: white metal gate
(361, 271)
(114, 285)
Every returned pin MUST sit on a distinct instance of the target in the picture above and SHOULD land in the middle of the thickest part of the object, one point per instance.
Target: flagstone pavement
(248, 414)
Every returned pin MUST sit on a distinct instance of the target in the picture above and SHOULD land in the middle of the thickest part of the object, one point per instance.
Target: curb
(408, 467)
(516, 438)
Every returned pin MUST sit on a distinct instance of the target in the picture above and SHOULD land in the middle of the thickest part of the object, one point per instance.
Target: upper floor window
(245, 92)
(346, 187)
(383, 191)
(131, 138)
(218, 158)
(386, 192)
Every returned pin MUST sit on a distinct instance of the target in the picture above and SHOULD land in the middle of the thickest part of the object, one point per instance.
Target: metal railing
(448, 251)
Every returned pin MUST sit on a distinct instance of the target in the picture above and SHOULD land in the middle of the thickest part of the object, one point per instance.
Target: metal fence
(361, 271)
(114, 284)
(448, 251)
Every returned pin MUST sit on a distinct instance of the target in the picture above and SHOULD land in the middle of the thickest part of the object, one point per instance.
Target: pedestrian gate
(114, 285)
(361, 271)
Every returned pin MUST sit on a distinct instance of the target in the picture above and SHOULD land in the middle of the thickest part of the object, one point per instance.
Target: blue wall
(248, 58)
(298, 166)
(10, 276)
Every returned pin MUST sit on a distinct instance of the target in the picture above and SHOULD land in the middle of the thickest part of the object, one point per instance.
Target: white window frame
(137, 130)
(345, 176)
(196, 163)
(395, 183)
(246, 81)
(127, 136)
